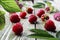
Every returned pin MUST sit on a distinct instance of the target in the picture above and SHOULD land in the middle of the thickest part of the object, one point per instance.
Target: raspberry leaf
(39, 5)
(48, 3)
(41, 37)
(38, 31)
(10, 5)
(2, 20)
(52, 39)
(42, 34)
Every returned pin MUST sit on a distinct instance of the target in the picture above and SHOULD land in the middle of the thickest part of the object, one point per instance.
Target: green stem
(34, 14)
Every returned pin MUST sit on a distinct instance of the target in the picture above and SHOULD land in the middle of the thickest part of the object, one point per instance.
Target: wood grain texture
(9, 35)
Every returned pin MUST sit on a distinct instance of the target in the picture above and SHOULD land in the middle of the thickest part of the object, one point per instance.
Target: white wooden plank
(14, 38)
(9, 35)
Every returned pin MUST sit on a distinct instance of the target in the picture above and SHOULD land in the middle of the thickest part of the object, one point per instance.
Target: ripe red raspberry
(32, 18)
(23, 14)
(14, 18)
(30, 10)
(17, 29)
(40, 12)
(47, 9)
(50, 26)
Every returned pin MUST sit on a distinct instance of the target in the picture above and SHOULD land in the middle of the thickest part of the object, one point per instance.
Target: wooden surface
(7, 33)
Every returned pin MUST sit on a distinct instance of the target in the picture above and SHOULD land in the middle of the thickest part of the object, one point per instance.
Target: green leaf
(10, 6)
(2, 12)
(52, 39)
(38, 31)
(48, 3)
(11, 0)
(2, 19)
(20, 0)
(42, 34)
(7, 0)
(41, 37)
(51, 9)
(39, 5)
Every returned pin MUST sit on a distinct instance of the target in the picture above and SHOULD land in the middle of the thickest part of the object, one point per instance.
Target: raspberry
(17, 28)
(29, 10)
(40, 12)
(50, 26)
(14, 18)
(47, 9)
(32, 18)
(23, 14)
